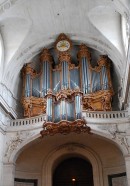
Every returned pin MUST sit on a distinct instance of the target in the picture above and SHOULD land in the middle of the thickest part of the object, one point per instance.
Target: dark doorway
(73, 172)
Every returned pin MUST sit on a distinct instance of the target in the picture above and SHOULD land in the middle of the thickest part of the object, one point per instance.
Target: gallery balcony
(90, 117)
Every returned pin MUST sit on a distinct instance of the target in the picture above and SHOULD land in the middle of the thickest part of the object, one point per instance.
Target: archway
(73, 172)
(44, 155)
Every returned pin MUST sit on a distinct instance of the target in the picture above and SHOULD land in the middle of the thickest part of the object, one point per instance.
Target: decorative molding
(8, 101)
(4, 119)
(13, 144)
(45, 55)
(118, 136)
(65, 127)
(15, 141)
(64, 38)
(7, 5)
(71, 147)
(33, 106)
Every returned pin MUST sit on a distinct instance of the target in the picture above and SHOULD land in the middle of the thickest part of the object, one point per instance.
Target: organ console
(63, 88)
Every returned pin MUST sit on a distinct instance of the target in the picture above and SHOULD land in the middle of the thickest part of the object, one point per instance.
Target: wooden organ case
(63, 88)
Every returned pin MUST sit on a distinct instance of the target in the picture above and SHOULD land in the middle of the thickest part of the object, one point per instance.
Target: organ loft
(63, 88)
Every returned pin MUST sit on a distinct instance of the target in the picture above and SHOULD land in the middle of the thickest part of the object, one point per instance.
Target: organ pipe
(65, 60)
(78, 104)
(46, 62)
(49, 107)
(85, 72)
(27, 74)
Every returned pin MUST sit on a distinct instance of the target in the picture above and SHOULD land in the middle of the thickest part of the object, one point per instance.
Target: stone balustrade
(27, 121)
(106, 115)
(89, 115)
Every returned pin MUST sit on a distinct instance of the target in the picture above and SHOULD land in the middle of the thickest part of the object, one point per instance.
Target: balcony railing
(28, 121)
(109, 116)
(106, 115)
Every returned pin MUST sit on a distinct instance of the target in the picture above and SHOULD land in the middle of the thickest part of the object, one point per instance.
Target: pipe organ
(63, 88)
(95, 82)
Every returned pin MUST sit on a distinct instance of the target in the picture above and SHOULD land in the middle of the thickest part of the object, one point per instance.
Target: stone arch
(22, 146)
(71, 150)
(59, 154)
(118, 141)
(33, 136)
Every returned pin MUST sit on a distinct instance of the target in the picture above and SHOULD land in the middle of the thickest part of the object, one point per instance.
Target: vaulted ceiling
(28, 26)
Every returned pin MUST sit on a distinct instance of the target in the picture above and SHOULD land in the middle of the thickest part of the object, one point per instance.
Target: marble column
(127, 162)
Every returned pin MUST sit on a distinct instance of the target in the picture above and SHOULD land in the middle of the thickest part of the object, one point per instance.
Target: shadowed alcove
(73, 172)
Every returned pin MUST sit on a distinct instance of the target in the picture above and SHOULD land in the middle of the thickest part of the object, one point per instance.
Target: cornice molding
(6, 5)
(7, 101)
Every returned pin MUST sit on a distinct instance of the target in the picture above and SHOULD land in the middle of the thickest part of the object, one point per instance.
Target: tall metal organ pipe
(28, 86)
(65, 59)
(49, 109)
(85, 73)
(65, 81)
(27, 73)
(46, 61)
(78, 109)
(105, 73)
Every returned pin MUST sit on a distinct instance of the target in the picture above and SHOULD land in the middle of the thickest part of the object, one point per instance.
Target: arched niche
(73, 171)
(45, 154)
(67, 151)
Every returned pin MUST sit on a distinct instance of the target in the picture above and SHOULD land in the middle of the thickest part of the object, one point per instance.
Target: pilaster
(8, 174)
(1, 155)
(127, 162)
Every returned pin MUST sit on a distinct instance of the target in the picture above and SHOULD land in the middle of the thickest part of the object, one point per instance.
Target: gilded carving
(67, 93)
(33, 106)
(98, 101)
(84, 52)
(65, 127)
(64, 56)
(62, 43)
(27, 69)
(45, 55)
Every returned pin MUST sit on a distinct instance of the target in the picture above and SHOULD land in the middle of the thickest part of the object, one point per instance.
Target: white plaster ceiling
(28, 26)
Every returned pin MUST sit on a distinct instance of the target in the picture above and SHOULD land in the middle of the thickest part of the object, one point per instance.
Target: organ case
(64, 88)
